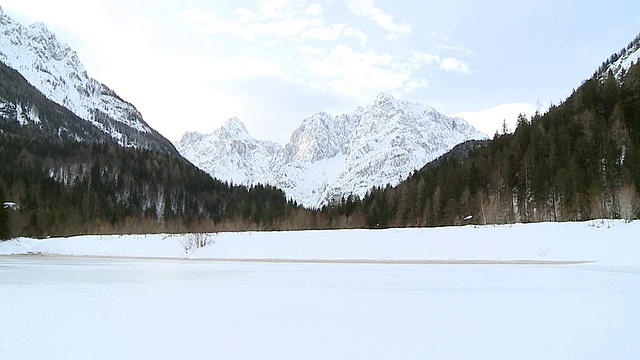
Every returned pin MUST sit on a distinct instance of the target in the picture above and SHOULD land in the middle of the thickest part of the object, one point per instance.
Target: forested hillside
(66, 188)
(580, 160)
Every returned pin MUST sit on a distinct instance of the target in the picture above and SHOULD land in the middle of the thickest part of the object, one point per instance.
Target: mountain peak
(234, 125)
(40, 27)
(383, 98)
(39, 32)
(386, 102)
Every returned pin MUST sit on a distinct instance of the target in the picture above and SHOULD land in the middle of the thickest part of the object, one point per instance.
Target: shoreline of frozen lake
(310, 261)
(603, 241)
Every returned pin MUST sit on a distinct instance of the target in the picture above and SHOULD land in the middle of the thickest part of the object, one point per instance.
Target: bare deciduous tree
(627, 202)
(192, 242)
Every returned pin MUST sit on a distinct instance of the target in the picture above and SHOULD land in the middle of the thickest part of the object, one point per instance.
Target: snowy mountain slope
(25, 111)
(330, 157)
(55, 69)
(620, 63)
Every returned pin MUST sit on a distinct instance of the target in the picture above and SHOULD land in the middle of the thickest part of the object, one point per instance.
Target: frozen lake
(84, 308)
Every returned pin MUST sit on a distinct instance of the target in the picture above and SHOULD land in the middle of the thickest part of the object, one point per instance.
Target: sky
(189, 65)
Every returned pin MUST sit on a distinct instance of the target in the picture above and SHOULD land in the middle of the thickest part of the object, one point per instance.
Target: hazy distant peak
(235, 126)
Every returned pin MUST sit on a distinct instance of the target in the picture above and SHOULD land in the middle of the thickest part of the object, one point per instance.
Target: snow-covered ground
(71, 307)
(602, 241)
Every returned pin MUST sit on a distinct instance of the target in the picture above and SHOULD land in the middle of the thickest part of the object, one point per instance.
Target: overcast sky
(189, 65)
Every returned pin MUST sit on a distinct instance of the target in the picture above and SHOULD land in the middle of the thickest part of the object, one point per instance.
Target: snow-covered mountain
(55, 70)
(245, 158)
(330, 157)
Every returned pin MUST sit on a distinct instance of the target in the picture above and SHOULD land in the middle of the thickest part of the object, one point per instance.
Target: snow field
(602, 241)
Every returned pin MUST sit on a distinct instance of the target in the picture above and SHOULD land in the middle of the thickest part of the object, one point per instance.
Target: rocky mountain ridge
(54, 69)
(331, 157)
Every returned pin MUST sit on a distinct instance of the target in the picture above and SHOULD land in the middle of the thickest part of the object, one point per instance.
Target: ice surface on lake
(169, 309)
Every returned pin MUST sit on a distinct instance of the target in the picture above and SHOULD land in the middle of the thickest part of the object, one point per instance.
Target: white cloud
(457, 48)
(275, 21)
(325, 63)
(274, 8)
(208, 23)
(413, 85)
(243, 15)
(364, 73)
(356, 33)
(491, 119)
(419, 58)
(312, 51)
(455, 65)
(350, 72)
(367, 9)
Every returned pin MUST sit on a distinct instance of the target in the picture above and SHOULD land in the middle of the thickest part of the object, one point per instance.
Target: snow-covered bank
(604, 241)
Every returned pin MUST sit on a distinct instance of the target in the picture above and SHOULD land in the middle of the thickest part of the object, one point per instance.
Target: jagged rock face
(231, 154)
(54, 68)
(329, 157)
(320, 136)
